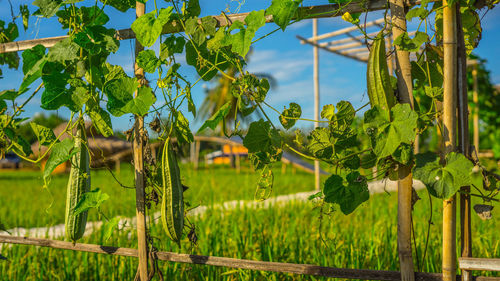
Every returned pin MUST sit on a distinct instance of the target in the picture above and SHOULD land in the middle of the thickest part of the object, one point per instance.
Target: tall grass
(25, 203)
(295, 232)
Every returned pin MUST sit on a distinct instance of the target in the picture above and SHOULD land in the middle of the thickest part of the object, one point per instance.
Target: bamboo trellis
(312, 12)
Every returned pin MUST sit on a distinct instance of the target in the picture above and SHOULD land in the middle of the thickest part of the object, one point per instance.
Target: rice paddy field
(296, 232)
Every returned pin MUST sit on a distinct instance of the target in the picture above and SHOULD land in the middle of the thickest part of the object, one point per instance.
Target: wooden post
(196, 154)
(138, 145)
(117, 166)
(463, 144)
(449, 135)
(475, 116)
(238, 163)
(405, 178)
(316, 99)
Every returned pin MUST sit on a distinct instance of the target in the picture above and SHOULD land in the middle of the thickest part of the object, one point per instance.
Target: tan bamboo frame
(318, 11)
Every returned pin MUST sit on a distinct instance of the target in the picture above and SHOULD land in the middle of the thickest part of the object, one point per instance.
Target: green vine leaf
(48, 8)
(289, 116)
(148, 27)
(64, 50)
(171, 45)
(44, 135)
(119, 92)
(141, 104)
(120, 5)
(102, 121)
(283, 11)
(387, 134)
(349, 196)
(193, 8)
(148, 61)
(321, 143)
(443, 181)
(419, 12)
(261, 138)
(55, 81)
(109, 226)
(32, 56)
(328, 112)
(182, 130)
(411, 45)
(60, 153)
(91, 199)
(265, 184)
(217, 118)
(241, 41)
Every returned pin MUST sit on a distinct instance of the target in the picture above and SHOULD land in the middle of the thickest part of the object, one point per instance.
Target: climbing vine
(75, 74)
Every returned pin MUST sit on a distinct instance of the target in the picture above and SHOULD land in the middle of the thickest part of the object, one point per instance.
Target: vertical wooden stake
(139, 169)
(476, 109)
(463, 144)
(449, 134)
(316, 98)
(405, 181)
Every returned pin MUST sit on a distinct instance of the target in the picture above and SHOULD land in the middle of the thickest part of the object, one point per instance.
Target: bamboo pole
(305, 269)
(345, 30)
(475, 116)
(449, 135)
(332, 51)
(320, 11)
(405, 180)
(138, 145)
(463, 144)
(316, 99)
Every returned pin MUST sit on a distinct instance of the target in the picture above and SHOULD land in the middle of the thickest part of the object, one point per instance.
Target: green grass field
(295, 232)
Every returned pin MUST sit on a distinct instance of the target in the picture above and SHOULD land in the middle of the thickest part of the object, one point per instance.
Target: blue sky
(280, 54)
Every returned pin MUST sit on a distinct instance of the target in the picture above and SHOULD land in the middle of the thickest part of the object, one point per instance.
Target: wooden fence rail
(305, 269)
(479, 264)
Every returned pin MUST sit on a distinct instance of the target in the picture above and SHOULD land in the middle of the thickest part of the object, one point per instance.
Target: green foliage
(260, 137)
(283, 11)
(240, 42)
(218, 117)
(443, 181)
(411, 45)
(148, 61)
(349, 196)
(109, 226)
(387, 133)
(101, 120)
(290, 115)
(47, 8)
(91, 199)
(44, 135)
(60, 153)
(121, 99)
(148, 27)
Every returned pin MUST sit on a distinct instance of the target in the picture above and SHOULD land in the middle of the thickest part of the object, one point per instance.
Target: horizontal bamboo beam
(320, 11)
(330, 50)
(359, 38)
(305, 269)
(354, 50)
(479, 264)
(346, 46)
(345, 30)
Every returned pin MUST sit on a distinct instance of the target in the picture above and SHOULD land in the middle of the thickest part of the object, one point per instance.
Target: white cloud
(284, 67)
